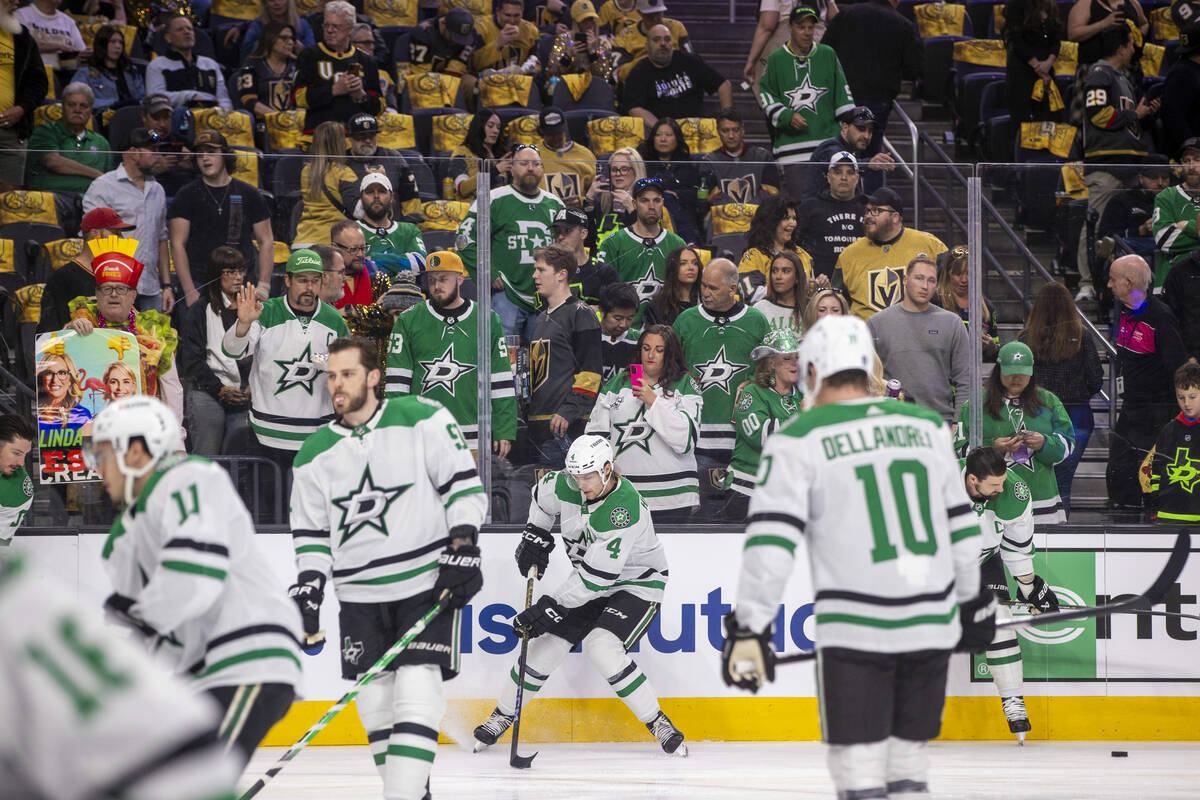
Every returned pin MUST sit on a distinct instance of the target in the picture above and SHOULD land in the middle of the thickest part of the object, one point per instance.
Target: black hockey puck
(1120, 754)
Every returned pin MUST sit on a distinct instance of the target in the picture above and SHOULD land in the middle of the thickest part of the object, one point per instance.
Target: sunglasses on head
(521, 147)
(643, 183)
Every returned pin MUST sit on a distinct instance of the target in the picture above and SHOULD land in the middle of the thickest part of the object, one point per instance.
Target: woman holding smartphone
(1026, 423)
(651, 415)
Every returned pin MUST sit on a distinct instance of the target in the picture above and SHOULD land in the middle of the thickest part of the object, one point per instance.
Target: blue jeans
(1084, 423)
(210, 425)
(515, 320)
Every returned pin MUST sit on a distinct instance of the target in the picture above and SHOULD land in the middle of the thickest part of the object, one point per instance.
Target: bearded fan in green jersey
(638, 252)
(17, 436)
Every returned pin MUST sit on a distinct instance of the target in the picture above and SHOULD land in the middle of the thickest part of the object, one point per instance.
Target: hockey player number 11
(897, 471)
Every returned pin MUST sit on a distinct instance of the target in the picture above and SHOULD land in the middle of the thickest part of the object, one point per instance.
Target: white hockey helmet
(128, 418)
(836, 343)
(590, 453)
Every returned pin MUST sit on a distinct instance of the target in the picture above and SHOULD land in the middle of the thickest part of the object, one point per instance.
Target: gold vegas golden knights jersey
(873, 272)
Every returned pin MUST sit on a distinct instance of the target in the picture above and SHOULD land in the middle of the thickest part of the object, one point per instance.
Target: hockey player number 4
(897, 471)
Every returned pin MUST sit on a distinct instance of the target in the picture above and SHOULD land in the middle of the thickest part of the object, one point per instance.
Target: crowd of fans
(624, 302)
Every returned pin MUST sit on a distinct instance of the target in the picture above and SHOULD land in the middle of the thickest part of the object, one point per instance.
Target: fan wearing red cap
(74, 279)
(116, 272)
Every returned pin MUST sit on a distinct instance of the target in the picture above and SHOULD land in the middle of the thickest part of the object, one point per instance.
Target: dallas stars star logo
(719, 371)
(300, 371)
(443, 371)
(647, 286)
(634, 433)
(1183, 470)
(366, 506)
(805, 96)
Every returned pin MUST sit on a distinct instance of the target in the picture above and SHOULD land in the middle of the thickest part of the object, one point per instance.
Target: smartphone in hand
(635, 376)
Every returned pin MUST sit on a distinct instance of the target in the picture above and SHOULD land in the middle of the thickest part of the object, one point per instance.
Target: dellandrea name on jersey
(373, 505)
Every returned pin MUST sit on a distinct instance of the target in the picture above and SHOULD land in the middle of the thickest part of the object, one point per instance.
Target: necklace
(213, 197)
(103, 323)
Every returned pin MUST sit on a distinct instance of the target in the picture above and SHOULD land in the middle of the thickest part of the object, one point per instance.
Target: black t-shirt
(218, 216)
(675, 91)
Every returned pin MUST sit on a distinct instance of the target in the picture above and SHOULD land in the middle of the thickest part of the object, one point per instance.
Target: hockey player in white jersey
(611, 596)
(1004, 505)
(186, 572)
(872, 486)
(85, 715)
(387, 500)
(17, 436)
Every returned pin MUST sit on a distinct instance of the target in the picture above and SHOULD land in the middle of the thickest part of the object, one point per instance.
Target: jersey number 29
(921, 545)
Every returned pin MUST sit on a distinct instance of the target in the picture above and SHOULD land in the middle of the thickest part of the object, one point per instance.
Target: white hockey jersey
(375, 504)
(288, 400)
(1007, 524)
(185, 551)
(85, 715)
(611, 543)
(655, 446)
(874, 487)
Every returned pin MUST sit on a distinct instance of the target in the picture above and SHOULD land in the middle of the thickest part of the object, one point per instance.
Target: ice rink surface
(975, 770)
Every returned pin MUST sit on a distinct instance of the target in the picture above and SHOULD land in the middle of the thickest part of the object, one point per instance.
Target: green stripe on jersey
(875, 622)
(772, 541)
(252, 655)
(407, 751)
(529, 687)
(964, 533)
(397, 578)
(314, 548)
(278, 434)
(628, 690)
(1004, 659)
(194, 569)
(463, 493)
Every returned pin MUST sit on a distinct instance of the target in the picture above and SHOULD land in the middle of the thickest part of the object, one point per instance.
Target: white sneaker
(1086, 292)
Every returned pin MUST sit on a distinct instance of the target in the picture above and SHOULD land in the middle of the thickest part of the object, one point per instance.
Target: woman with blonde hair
(119, 381)
(60, 389)
(824, 302)
(952, 295)
(609, 200)
(329, 186)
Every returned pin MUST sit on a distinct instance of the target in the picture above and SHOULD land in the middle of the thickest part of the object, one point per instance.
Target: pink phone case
(635, 375)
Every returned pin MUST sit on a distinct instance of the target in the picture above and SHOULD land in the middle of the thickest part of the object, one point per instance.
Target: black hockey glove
(541, 617)
(747, 659)
(1037, 593)
(458, 571)
(118, 608)
(307, 593)
(978, 619)
(534, 550)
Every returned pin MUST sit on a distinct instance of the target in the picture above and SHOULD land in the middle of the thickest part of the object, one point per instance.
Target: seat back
(449, 131)
(427, 185)
(700, 133)
(432, 90)
(942, 19)
(503, 90)
(285, 130)
(607, 134)
(236, 126)
(397, 131)
(596, 94)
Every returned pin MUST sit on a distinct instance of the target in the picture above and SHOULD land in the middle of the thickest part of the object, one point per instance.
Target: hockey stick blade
(379, 666)
(1142, 602)
(516, 760)
(1146, 612)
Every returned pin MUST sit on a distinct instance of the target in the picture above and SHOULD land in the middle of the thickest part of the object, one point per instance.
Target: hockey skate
(1018, 719)
(670, 737)
(492, 729)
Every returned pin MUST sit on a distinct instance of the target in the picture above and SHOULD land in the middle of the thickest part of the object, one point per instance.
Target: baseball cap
(141, 137)
(800, 13)
(859, 115)
(444, 261)
(1015, 358)
(105, 218)
(1191, 143)
(642, 185)
(583, 9)
(460, 25)
(1158, 164)
(154, 103)
(552, 120)
(362, 123)
(843, 157)
(304, 260)
(651, 6)
(374, 179)
(571, 216)
(210, 139)
(886, 197)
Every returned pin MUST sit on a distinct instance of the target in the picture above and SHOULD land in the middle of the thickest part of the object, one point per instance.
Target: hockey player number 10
(885, 549)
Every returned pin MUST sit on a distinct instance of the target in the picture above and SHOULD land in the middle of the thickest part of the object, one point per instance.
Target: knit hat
(1015, 358)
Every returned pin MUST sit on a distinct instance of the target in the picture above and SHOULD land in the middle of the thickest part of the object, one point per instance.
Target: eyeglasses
(358, 249)
(877, 210)
(365, 43)
(113, 291)
(620, 170)
(229, 272)
(56, 374)
(338, 273)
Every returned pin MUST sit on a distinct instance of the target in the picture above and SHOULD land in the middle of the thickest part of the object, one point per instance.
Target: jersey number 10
(885, 549)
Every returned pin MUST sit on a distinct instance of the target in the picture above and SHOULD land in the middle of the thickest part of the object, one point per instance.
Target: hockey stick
(379, 666)
(1140, 611)
(1135, 604)
(514, 759)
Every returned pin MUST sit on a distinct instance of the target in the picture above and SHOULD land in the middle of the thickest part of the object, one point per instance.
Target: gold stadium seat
(236, 9)
(443, 215)
(8, 256)
(449, 131)
(391, 13)
(236, 126)
(1162, 27)
(282, 252)
(502, 89)
(128, 34)
(61, 251)
(939, 19)
(285, 129)
(700, 133)
(397, 131)
(247, 165)
(732, 217)
(432, 89)
(612, 133)
(52, 112)
(524, 130)
(480, 8)
(30, 299)
(23, 206)
(50, 93)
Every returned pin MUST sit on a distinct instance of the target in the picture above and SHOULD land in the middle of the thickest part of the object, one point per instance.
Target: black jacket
(1181, 293)
(65, 284)
(878, 49)
(29, 80)
(1125, 213)
(1149, 350)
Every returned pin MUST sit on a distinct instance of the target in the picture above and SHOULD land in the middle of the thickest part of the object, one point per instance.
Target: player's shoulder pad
(331, 318)
(174, 472)
(1016, 488)
(621, 509)
(318, 442)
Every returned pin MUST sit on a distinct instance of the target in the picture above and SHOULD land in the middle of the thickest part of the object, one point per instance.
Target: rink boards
(1126, 678)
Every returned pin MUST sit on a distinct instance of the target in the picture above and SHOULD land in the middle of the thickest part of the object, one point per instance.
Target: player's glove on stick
(978, 618)
(541, 617)
(459, 571)
(119, 608)
(1037, 593)
(307, 593)
(534, 550)
(747, 660)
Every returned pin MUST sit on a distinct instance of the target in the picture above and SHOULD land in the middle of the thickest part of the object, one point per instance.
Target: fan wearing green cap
(764, 403)
(1028, 424)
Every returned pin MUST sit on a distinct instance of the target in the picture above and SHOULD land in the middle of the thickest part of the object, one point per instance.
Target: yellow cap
(444, 261)
(583, 9)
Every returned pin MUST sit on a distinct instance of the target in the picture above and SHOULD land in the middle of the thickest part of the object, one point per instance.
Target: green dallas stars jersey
(520, 225)
(393, 248)
(717, 350)
(16, 496)
(611, 543)
(185, 551)
(635, 263)
(1007, 524)
(434, 355)
(375, 504)
(287, 401)
(1171, 206)
(812, 86)
(757, 414)
(655, 446)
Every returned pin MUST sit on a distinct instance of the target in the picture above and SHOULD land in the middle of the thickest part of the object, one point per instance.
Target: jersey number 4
(902, 476)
